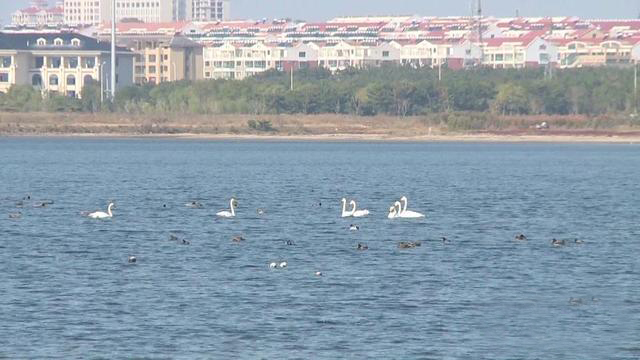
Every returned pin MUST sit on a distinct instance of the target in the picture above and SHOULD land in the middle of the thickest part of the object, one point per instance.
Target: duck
(17, 215)
(132, 259)
(260, 211)
(238, 239)
(283, 265)
(273, 265)
(185, 242)
(521, 237)
(575, 301)
(318, 273)
(406, 245)
(353, 227)
(173, 237)
(578, 241)
(409, 245)
(229, 214)
(445, 240)
(362, 247)
(194, 205)
(556, 242)
(103, 215)
(289, 243)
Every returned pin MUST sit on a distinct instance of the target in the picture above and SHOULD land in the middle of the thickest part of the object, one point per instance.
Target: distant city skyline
(326, 9)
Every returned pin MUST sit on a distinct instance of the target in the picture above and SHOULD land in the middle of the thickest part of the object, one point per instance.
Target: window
(75, 42)
(207, 63)
(165, 57)
(152, 69)
(56, 62)
(152, 58)
(72, 63)
(36, 80)
(71, 80)
(4, 77)
(41, 42)
(88, 62)
(5, 61)
(207, 74)
(87, 79)
(385, 54)
(58, 42)
(53, 80)
(302, 54)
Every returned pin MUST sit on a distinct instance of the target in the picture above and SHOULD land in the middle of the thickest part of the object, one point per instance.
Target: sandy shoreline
(321, 128)
(480, 138)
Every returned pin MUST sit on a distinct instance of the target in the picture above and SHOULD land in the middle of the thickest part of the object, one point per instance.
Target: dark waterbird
(362, 247)
(521, 237)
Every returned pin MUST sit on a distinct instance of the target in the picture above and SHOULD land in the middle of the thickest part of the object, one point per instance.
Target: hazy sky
(324, 9)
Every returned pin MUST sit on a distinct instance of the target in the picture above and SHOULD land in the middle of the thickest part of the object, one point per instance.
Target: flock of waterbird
(397, 211)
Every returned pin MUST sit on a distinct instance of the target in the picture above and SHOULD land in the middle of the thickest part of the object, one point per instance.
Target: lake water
(68, 291)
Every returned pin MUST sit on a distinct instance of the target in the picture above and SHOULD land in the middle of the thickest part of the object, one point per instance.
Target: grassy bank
(451, 124)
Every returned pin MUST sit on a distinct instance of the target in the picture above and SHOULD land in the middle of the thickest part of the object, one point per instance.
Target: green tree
(512, 99)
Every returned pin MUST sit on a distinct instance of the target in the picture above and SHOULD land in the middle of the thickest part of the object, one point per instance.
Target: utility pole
(113, 49)
(480, 31)
(291, 81)
(635, 86)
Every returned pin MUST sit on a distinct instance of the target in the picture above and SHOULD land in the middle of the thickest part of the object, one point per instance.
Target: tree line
(392, 90)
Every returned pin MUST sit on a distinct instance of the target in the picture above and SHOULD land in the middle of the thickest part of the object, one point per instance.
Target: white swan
(393, 212)
(357, 213)
(345, 213)
(102, 215)
(408, 214)
(229, 214)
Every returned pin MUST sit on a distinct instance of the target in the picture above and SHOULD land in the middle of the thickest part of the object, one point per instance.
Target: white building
(39, 15)
(209, 10)
(94, 12)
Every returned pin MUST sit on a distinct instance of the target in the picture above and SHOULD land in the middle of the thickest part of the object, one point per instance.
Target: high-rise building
(86, 12)
(94, 12)
(210, 10)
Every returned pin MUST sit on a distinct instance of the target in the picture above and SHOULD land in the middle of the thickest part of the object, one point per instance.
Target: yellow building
(157, 61)
(59, 62)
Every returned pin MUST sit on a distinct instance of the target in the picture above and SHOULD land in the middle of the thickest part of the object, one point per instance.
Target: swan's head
(392, 210)
(234, 202)
(344, 200)
(404, 198)
(112, 205)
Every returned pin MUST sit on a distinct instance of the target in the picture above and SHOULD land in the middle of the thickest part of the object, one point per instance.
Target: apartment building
(585, 52)
(39, 15)
(95, 12)
(59, 62)
(86, 12)
(210, 10)
(228, 61)
(174, 59)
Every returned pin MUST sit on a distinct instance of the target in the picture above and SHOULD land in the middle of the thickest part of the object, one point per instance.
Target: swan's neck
(109, 210)
(398, 207)
(344, 207)
(233, 212)
(404, 204)
(353, 203)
